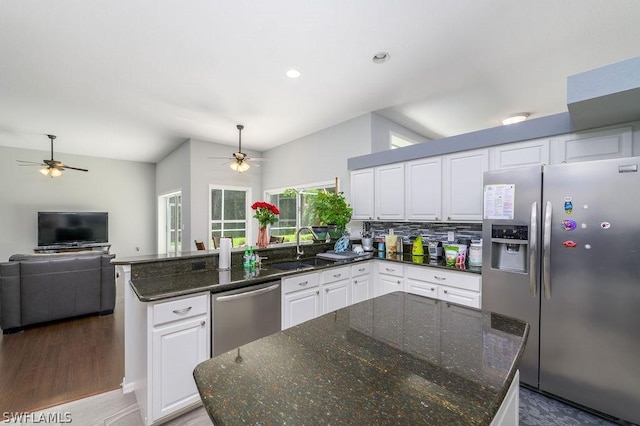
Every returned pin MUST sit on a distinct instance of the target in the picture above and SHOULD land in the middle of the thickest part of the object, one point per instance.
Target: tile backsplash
(429, 231)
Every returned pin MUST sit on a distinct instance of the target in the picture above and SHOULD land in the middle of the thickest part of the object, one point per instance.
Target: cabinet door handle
(398, 281)
(355, 281)
(326, 290)
(303, 283)
(439, 278)
(437, 218)
(446, 291)
(202, 323)
(361, 270)
(318, 292)
(182, 311)
(390, 270)
(433, 289)
(336, 275)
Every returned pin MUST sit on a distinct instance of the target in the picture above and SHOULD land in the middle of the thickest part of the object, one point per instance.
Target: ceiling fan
(240, 160)
(51, 168)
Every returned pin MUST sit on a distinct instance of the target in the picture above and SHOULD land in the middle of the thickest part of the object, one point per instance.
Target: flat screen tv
(72, 228)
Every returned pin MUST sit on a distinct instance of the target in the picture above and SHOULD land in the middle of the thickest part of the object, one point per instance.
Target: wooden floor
(56, 363)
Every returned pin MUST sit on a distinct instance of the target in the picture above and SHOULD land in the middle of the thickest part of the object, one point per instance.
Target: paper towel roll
(224, 256)
(224, 277)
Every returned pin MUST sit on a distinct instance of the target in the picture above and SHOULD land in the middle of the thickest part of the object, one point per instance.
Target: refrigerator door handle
(533, 251)
(546, 251)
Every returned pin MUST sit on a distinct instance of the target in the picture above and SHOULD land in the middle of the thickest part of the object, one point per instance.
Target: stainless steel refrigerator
(561, 250)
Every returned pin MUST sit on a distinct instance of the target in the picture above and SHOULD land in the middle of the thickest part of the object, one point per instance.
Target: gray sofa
(41, 288)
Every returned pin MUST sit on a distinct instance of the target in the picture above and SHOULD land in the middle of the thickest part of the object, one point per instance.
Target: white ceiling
(131, 79)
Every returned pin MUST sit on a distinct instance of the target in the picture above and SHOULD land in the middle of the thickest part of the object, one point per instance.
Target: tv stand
(67, 248)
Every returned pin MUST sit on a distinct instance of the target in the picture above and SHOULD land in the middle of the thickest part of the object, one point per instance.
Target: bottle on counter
(245, 259)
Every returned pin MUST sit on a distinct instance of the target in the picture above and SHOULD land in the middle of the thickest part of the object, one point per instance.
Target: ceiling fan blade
(29, 163)
(64, 166)
(257, 159)
(222, 158)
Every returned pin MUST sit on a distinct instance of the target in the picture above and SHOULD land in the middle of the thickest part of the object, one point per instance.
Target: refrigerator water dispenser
(510, 248)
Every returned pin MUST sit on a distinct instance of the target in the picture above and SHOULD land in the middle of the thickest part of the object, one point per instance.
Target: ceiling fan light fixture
(239, 167)
(51, 171)
(515, 118)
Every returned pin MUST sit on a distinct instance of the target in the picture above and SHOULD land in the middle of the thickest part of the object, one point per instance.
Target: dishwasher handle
(248, 293)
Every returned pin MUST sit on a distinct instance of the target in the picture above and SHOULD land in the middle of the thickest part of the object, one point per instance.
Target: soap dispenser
(417, 249)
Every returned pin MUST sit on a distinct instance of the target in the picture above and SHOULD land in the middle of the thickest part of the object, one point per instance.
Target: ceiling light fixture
(50, 168)
(381, 57)
(293, 73)
(515, 118)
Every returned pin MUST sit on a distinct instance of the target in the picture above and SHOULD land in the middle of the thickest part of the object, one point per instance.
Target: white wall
(318, 157)
(125, 189)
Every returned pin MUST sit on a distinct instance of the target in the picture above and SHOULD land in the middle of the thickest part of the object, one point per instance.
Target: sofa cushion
(59, 288)
(10, 295)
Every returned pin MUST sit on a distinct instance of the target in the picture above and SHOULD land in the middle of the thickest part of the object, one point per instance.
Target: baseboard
(127, 387)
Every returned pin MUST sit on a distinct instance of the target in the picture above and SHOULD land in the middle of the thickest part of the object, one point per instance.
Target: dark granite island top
(395, 359)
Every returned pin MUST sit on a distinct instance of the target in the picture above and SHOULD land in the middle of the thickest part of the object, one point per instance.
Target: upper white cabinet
(389, 192)
(423, 192)
(462, 184)
(520, 154)
(362, 193)
(600, 145)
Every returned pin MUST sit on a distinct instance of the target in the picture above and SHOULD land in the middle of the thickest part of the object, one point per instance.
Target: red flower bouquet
(266, 214)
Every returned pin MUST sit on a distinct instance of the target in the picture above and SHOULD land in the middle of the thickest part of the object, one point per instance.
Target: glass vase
(263, 237)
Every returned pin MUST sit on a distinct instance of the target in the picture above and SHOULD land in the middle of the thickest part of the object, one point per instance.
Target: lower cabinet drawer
(299, 282)
(361, 268)
(421, 288)
(459, 296)
(175, 310)
(335, 274)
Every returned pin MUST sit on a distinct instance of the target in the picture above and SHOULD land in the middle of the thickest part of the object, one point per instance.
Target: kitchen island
(394, 359)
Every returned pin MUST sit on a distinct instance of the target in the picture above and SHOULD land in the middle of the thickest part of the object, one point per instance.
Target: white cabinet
(589, 146)
(300, 299)
(177, 349)
(416, 282)
(519, 154)
(390, 277)
(423, 192)
(164, 341)
(361, 283)
(462, 185)
(456, 287)
(362, 193)
(335, 289)
(389, 192)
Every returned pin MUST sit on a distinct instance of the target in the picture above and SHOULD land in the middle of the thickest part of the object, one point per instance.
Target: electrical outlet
(451, 235)
(198, 265)
(390, 231)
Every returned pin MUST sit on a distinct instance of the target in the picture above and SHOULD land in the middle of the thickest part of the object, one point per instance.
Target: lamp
(239, 166)
(515, 118)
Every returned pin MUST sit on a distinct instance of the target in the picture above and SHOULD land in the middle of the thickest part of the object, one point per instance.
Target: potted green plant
(332, 209)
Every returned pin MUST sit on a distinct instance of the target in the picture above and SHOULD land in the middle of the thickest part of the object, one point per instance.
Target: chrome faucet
(299, 250)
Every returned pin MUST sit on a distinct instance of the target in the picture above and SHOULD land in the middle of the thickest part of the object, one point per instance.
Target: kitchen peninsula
(169, 314)
(395, 359)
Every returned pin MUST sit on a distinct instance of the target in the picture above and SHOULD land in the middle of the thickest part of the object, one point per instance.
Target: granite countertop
(394, 359)
(150, 289)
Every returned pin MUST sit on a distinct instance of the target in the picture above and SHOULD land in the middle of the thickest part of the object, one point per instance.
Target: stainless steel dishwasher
(244, 315)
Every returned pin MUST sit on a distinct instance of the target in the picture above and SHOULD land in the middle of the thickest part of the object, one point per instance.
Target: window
(398, 141)
(170, 222)
(228, 215)
(295, 209)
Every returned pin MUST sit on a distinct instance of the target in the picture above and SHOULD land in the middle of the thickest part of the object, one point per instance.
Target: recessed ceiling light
(515, 118)
(381, 57)
(293, 73)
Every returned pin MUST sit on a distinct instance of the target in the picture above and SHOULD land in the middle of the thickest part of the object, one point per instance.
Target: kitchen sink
(300, 264)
